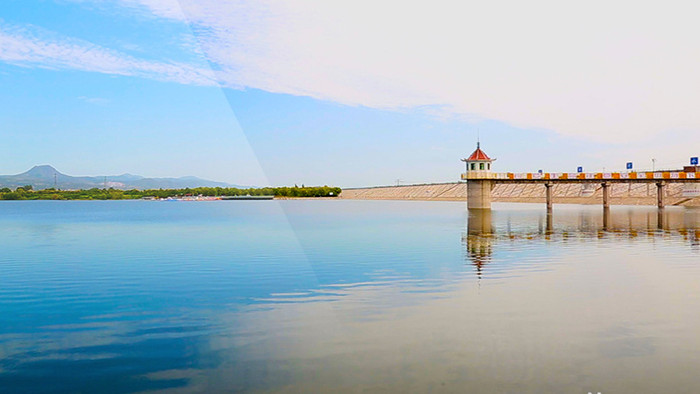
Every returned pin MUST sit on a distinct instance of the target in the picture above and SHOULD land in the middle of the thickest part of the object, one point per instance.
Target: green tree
(11, 196)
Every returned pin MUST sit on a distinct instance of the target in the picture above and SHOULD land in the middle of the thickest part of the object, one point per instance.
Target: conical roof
(479, 155)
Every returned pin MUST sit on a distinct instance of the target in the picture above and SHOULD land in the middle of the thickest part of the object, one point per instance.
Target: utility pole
(54, 180)
(653, 165)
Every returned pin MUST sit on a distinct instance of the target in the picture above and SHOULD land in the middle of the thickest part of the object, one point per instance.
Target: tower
(478, 164)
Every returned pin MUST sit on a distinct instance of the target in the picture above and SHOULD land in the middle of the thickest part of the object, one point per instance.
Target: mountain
(45, 176)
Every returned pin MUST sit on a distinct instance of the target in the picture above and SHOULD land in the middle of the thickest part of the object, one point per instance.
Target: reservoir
(347, 296)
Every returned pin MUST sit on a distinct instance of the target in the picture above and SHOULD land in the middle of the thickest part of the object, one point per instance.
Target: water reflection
(479, 242)
(580, 300)
(484, 231)
(584, 303)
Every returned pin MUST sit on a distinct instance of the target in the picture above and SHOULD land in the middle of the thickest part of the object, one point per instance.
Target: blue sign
(540, 171)
(629, 165)
(580, 169)
(693, 161)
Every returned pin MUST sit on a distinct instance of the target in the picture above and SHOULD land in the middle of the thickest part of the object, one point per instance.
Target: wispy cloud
(611, 71)
(37, 48)
(94, 100)
(604, 70)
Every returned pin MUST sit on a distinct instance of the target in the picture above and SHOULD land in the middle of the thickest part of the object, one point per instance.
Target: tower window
(473, 166)
(488, 166)
(481, 166)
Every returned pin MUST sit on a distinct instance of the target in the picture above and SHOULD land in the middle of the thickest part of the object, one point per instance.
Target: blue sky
(353, 94)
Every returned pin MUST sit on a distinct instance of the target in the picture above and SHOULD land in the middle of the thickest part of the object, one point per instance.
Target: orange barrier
(583, 175)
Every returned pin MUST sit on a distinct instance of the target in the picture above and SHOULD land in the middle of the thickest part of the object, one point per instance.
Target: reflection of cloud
(621, 341)
(538, 332)
(115, 354)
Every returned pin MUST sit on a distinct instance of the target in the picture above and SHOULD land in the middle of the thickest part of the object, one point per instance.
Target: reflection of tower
(479, 239)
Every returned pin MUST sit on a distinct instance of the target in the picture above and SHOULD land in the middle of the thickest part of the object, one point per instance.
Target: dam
(562, 193)
(481, 187)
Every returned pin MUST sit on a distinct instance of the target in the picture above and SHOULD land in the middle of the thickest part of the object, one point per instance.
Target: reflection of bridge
(482, 235)
(480, 180)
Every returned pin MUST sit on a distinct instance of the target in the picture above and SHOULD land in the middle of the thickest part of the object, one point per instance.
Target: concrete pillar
(661, 194)
(548, 187)
(479, 194)
(606, 195)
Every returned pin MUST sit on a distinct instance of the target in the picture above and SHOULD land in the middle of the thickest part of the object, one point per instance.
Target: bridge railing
(642, 175)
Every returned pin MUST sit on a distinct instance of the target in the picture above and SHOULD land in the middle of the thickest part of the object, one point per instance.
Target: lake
(347, 296)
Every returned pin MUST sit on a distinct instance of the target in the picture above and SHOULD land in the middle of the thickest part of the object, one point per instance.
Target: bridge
(480, 180)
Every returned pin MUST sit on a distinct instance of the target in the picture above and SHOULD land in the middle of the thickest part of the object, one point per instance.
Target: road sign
(629, 165)
(580, 169)
(693, 161)
(539, 171)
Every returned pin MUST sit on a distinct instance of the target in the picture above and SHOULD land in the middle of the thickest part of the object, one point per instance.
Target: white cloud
(607, 70)
(94, 100)
(600, 69)
(25, 47)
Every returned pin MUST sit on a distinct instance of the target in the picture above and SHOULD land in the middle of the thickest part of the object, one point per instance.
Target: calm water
(309, 296)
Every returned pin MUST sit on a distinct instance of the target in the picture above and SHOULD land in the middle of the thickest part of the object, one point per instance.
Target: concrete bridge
(480, 181)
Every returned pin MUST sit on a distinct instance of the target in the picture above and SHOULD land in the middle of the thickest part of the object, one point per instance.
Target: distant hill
(42, 177)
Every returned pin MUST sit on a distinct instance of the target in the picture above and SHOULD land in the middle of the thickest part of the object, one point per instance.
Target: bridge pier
(478, 194)
(661, 194)
(548, 187)
(606, 195)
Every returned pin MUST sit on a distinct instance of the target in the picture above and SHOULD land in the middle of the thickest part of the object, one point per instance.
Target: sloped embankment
(621, 194)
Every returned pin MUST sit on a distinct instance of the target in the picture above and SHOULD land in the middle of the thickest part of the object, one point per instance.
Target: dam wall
(564, 193)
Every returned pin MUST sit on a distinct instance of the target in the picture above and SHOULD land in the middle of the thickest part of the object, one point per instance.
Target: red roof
(478, 155)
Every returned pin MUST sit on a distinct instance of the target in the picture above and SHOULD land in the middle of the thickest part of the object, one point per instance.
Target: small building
(478, 164)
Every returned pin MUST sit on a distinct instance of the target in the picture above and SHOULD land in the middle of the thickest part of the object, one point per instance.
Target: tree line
(27, 193)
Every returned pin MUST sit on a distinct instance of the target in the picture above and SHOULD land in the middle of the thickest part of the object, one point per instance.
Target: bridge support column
(548, 187)
(606, 195)
(479, 194)
(661, 194)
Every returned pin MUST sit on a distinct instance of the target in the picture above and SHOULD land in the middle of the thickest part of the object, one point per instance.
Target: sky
(345, 93)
